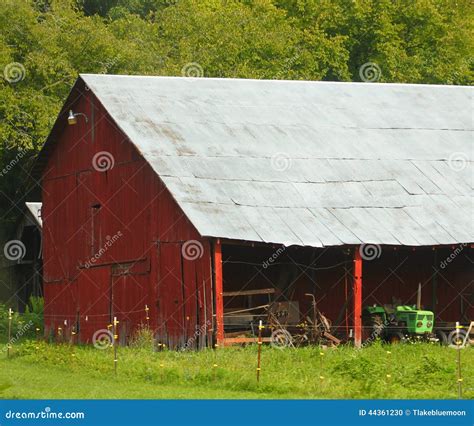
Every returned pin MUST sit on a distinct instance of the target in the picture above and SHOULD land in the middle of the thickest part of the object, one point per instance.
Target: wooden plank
(249, 292)
(239, 340)
(190, 300)
(329, 336)
(171, 294)
(204, 296)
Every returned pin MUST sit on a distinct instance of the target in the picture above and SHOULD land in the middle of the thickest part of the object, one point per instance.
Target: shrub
(142, 338)
(23, 325)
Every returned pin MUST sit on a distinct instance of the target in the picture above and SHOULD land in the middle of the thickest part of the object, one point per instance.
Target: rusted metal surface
(35, 211)
(305, 163)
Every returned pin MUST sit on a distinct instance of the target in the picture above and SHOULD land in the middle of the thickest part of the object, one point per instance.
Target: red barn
(190, 204)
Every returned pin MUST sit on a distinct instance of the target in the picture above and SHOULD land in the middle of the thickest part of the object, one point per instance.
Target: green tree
(45, 44)
(411, 41)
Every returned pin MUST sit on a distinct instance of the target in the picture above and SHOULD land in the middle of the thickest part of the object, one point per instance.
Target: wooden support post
(357, 298)
(219, 292)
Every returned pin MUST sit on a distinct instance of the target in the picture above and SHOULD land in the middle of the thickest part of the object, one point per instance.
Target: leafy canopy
(48, 42)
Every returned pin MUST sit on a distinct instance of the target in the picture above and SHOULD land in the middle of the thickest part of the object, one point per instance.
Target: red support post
(357, 298)
(219, 290)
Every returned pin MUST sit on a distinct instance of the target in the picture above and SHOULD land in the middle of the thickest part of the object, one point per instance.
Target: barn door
(94, 301)
(130, 295)
(171, 329)
(184, 296)
(197, 294)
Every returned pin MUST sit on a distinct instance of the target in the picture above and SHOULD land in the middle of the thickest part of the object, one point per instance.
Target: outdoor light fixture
(72, 117)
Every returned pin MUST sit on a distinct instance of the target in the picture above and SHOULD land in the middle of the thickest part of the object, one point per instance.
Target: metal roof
(305, 163)
(35, 211)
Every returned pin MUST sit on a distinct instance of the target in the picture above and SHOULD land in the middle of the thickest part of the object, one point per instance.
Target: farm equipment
(315, 329)
(399, 323)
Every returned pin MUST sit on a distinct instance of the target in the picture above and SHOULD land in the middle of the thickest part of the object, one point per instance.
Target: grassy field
(41, 370)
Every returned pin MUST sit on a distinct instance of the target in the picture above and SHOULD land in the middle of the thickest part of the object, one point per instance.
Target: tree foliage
(44, 44)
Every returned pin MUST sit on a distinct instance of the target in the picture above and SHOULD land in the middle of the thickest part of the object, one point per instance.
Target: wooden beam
(239, 340)
(249, 292)
(218, 287)
(357, 298)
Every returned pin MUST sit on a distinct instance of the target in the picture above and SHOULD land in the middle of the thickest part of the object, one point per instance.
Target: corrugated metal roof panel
(334, 229)
(304, 225)
(35, 210)
(307, 163)
(357, 219)
(271, 228)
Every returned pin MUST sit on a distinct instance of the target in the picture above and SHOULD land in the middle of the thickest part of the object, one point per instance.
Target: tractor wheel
(281, 338)
(396, 338)
(456, 339)
(442, 336)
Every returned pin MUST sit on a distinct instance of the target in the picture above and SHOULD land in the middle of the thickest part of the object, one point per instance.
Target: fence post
(115, 344)
(260, 327)
(321, 377)
(458, 344)
(147, 316)
(10, 317)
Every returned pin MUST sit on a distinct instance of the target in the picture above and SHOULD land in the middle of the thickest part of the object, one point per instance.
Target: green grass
(41, 370)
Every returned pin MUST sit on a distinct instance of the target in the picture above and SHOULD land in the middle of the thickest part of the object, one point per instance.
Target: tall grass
(408, 371)
(418, 370)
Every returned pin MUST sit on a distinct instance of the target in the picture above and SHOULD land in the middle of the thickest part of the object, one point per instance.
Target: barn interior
(29, 268)
(263, 281)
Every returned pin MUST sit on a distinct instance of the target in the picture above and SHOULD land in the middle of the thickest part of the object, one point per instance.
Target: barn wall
(447, 287)
(113, 241)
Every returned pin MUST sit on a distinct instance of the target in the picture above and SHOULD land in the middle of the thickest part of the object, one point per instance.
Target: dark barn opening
(257, 278)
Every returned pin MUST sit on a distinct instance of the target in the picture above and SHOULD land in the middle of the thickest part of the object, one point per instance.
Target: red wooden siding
(128, 211)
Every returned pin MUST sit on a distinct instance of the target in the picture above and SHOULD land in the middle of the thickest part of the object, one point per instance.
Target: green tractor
(398, 323)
